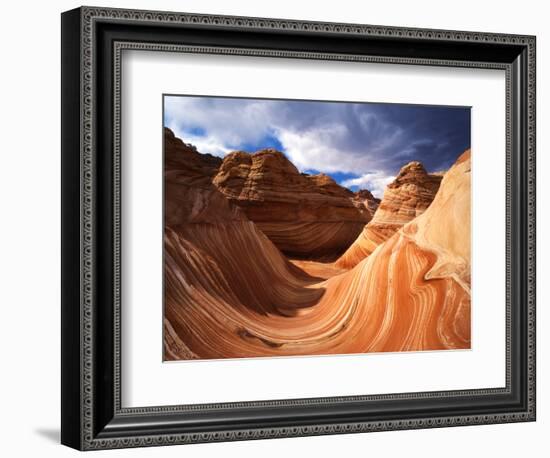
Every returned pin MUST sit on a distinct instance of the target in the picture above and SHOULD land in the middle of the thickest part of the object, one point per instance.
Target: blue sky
(361, 145)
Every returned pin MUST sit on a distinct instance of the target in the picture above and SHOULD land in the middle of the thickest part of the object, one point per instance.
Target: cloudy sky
(361, 145)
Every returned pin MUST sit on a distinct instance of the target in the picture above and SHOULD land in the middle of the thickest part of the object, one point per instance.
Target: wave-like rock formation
(230, 293)
(407, 197)
(305, 216)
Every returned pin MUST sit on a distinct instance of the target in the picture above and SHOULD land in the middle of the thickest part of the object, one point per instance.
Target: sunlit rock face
(445, 227)
(231, 292)
(407, 197)
(305, 216)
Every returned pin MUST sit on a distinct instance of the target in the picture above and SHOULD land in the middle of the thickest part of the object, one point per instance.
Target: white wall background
(30, 228)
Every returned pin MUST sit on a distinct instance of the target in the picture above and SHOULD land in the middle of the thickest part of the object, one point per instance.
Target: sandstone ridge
(405, 198)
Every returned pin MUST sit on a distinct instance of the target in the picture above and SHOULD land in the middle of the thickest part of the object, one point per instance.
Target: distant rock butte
(407, 197)
(365, 197)
(305, 216)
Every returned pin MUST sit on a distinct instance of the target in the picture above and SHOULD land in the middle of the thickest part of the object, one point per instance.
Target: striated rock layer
(230, 292)
(189, 195)
(407, 197)
(305, 216)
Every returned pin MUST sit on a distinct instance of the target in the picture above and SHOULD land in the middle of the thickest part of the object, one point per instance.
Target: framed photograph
(276, 228)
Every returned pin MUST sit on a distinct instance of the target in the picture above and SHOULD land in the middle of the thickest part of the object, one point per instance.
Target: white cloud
(227, 121)
(318, 149)
(206, 145)
(375, 182)
(317, 138)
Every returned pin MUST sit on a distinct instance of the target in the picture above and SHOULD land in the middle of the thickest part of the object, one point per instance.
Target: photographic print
(297, 227)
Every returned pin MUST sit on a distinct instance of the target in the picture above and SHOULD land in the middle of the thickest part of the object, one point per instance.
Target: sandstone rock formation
(364, 197)
(231, 293)
(407, 197)
(451, 240)
(189, 195)
(209, 241)
(305, 216)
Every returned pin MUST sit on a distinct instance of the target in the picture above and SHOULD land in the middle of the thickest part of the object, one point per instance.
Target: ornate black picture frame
(92, 42)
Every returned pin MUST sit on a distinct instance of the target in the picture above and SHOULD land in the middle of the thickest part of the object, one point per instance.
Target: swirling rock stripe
(321, 241)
